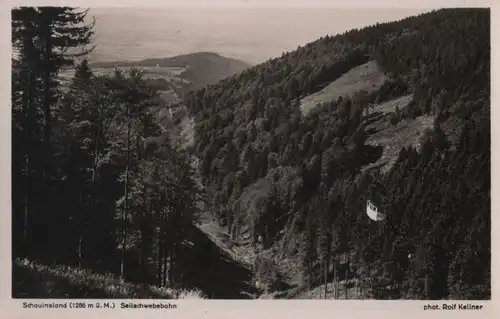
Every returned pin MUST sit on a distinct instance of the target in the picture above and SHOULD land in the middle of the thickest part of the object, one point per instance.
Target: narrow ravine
(226, 272)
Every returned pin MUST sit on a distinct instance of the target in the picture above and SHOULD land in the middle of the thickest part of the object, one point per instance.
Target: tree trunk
(310, 271)
(346, 274)
(165, 264)
(146, 238)
(320, 277)
(81, 229)
(90, 193)
(125, 204)
(47, 96)
(29, 90)
(159, 262)
(172, 262)
(50, 237)
(335, 287)
(161, 252)
(327, 265)
(26, 206)
(426, 287)
(166, 243)
(372, 294)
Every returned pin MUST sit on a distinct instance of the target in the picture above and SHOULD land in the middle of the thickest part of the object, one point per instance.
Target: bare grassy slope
(366, 77)
(393, 137)
(369, 77)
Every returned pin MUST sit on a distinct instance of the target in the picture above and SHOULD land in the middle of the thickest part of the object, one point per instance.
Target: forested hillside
(297, 185)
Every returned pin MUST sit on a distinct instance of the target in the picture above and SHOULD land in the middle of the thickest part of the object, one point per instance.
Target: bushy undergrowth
(41, 281)
(267, 275)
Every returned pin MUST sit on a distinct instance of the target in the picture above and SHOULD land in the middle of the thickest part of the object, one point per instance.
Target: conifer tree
(41, 37)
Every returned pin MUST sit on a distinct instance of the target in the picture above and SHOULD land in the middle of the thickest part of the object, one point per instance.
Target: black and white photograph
(250, 153)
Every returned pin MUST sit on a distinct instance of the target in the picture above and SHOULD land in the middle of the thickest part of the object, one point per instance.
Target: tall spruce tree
(42, 38)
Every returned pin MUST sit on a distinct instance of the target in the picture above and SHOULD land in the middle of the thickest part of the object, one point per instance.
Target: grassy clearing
(186, 127)
(32, 280)
(366, 77)
(394, 137)
(390, 106)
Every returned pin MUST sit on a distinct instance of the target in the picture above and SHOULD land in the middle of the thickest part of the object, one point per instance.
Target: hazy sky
(251, 34)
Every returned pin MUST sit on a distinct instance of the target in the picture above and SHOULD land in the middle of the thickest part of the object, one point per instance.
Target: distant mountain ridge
(201, 68)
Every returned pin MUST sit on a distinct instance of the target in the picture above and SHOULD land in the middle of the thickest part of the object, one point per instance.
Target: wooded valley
(100, 184)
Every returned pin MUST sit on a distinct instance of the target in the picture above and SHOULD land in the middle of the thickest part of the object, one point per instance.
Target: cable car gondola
(373, 212)
(378, 194)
